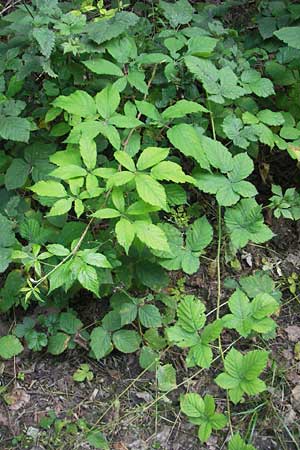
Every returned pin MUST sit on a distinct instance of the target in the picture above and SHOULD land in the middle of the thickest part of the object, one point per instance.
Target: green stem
(219, 281)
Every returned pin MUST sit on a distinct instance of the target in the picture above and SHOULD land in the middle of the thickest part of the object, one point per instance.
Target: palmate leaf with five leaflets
(237, 443)
(247, 316)
(228, 188)
(242, 372)
(198, 236)
(245, 223)
(201, 411)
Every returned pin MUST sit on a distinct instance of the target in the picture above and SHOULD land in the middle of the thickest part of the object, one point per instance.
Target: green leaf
(178, 13)
(121, 121)
(97, 440)
(149, 316)
(271, 118)
(106, 213)
(166, 378)
(60, 207)
(168, 170)
(88, 152)
(107, 29)
(88, 278)
(125, 233)
(237, 443)
(148, 358)
(240, 319)
(120, 178)
(46, 40)
(136, 79)
(83, 373)
(202, 46)
(204, 431)
(192, 405)
(181, 108)
(7, 236)
(16, 175)
(289, 133)
(101, 66)
(235, 130)
(290, 36)
(107, 101)
(128, 312)
(68, 171)
(245, 223)
(199, 234)
(79, 103)
(15, 129)
(150, 190)
(10, 346)
(94, 259)
(185, 138)
(217, 154)
(126, 341)
(151, 156)
(262, 88)
(58, 343)
(200, 355)
(241, 373)
(69, 323)
(49, 188)
(151, 235)
(125, 160)
(190, 312)
(148, 110)
(100, 342)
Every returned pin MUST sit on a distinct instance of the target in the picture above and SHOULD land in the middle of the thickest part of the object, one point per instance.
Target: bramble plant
(129, 146)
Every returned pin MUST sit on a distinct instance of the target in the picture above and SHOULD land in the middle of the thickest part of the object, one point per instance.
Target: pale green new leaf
(168, 170)
(181, 108)
(88, 152)
(151, 156)
(125, 233)
(49, 188)
(79, 103)
(61, 207)
(106, 213)
(185, 138)
(125, 160)
(107, 101)
(88, 278)
(101, 66)
(151, 235)
(150, 190)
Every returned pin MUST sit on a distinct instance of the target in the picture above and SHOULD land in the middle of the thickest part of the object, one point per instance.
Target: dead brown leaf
(17, 399)
(293, 332)
(296, 397)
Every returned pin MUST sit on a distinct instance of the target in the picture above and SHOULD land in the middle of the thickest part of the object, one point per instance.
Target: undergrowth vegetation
(130, 136)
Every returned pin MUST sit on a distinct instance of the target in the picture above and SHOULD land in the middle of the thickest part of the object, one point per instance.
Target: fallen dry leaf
(293, 332)
(119, 446)
(296, 397)
(17, 399)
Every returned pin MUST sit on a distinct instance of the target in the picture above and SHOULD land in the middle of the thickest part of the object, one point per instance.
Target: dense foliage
(129, 140)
